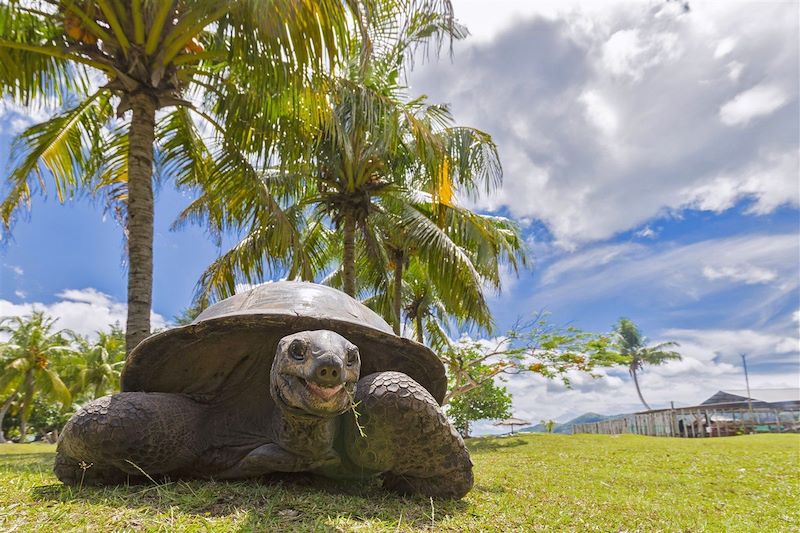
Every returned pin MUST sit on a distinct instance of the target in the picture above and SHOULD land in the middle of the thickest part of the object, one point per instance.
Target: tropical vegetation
(44, 371)
(341, 176)
(131, 81)
(30, 361)
(382, 166)
(487, 401)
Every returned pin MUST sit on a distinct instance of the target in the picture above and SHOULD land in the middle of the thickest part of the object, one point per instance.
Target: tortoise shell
(230, 347)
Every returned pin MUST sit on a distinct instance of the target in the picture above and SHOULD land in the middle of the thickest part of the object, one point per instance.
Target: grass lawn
(523, 483)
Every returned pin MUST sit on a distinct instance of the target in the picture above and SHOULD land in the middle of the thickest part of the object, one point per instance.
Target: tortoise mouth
(303, 394)
(323, 392)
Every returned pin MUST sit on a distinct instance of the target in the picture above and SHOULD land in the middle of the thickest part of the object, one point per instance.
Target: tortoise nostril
(327, 374)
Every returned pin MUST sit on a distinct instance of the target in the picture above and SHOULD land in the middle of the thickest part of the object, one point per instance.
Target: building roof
(757, 395)
(768, 395)
(788, 398)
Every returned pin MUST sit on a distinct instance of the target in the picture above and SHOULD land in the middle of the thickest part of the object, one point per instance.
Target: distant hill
(566, 427)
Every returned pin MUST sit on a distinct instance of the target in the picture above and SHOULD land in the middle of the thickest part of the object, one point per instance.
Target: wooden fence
(698, 421)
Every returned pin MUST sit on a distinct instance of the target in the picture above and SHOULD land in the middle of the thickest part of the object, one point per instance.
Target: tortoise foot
(454, 485)
(73, 472)
(400, 430)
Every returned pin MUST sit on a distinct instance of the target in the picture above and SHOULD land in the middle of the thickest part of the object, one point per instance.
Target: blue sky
(651, 156)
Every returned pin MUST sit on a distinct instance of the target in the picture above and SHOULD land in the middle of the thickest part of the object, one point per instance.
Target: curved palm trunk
(638, 390)
(3, 410)
(420, 335)
(349, 255)
(398, 293)
(140, 220)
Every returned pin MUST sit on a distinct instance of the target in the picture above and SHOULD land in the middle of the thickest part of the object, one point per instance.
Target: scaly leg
(128, 434)
(408, 437)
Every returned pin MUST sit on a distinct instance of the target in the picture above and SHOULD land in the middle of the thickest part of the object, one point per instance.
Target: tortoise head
(315, 372)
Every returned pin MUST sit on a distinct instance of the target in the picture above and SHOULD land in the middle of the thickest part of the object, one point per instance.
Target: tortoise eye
(297, 350)
(352, 356)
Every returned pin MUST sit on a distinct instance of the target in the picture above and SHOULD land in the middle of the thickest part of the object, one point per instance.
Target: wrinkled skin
(399, 431)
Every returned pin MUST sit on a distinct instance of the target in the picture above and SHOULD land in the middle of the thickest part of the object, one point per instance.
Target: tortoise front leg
(129, 434)
(406, 435)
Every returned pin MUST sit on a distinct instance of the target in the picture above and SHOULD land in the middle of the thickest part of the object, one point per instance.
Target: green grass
(523, 483)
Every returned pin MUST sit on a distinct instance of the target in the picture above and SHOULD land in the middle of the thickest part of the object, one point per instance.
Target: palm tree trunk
(398, 292)
(349, 255)
(27, 396)
(140, 220)
(638, 390)
(3, 411)
(420, 335)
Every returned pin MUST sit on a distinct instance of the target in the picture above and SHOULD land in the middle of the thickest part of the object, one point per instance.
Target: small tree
(535, 347)
(548, 424)
(488, 400)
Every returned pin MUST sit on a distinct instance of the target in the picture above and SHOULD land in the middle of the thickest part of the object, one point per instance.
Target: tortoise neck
(304, 434)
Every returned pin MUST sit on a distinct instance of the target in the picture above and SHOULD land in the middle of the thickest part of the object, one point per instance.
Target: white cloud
(758, 101)
(724, 47)
(21, 117)
(721, 345)
(771, 181)
(486, 20)
(84, 311)
(667, 279)
(600, 113)
(89, 296)
(735, 69)
(744, 273)
(590, 259)
(647, 233)
(629, 53)
(605, 122)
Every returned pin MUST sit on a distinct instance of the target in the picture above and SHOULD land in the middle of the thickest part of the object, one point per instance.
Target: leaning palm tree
(30, 360)
(148, 57)
(635, 353)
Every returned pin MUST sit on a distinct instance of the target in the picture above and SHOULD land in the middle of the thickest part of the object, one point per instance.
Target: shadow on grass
(492, 445)
(299, 501)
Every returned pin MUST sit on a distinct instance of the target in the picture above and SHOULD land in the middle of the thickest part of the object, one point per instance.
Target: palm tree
(635, 353)
(348, 171)
(95, 370)
(30, 362)
(153, 56)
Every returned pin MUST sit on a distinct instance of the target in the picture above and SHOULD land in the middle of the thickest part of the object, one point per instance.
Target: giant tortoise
(287, 377)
